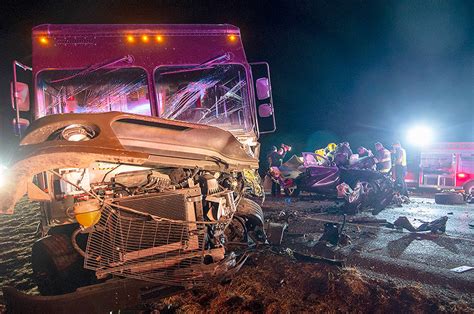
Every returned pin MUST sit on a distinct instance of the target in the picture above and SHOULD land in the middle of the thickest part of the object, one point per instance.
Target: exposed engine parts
(152, 224)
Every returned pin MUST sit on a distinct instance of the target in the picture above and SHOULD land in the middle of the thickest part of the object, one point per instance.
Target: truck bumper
(114, 295)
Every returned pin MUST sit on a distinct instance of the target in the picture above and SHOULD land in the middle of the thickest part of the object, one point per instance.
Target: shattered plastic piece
(403, 222)
(461, 269)
(275, 232)
(433, 226)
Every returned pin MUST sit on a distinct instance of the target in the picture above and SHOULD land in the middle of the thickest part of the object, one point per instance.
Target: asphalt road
(421, 257)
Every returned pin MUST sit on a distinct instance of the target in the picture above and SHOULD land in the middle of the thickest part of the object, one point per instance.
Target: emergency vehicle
(448, 165)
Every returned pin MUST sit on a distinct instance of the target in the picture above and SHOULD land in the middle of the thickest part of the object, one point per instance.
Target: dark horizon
(360, 71)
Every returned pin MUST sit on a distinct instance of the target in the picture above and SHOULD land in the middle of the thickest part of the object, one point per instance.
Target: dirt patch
(272, 283)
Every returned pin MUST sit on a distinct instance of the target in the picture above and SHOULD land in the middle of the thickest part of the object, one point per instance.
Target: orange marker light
(43, 40)
(145, 38)
(232, 37)
(130, 39)
(159, 38)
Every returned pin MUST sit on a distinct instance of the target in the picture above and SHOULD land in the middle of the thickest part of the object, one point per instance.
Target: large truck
(447, 165)
(143, 153)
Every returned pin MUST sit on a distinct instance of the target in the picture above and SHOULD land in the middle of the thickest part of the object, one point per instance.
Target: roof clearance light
(130, 39)
(43, 40)
(232, 37)
(145, 38)
(159, 38)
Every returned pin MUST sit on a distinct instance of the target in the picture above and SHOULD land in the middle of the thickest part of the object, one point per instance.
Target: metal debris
(433, 226)
(461, 269)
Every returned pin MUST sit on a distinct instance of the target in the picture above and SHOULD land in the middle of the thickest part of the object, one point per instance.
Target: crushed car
(357, 184)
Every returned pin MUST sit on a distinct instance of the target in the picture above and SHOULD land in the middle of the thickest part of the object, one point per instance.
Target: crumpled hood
(121, 138)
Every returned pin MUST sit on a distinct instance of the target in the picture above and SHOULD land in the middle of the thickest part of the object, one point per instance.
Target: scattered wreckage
(314, 173)
(155, 193)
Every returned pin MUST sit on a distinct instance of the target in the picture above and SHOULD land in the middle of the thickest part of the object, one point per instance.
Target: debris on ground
(398, 200)
(275, 232)
(433, 226)
(461, 269)
(368, 220)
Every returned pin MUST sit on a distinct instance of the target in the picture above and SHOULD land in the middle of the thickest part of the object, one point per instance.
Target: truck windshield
(215, 95)
(121, 89)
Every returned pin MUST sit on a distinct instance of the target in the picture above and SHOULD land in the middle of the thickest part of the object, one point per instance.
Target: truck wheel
(292, 192)
(449, 198)
(469, 187)
(57, 267)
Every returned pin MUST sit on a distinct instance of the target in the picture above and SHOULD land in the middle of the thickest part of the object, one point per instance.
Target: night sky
(361, 71)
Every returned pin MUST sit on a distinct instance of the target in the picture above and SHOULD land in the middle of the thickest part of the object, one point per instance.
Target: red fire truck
(448, 165)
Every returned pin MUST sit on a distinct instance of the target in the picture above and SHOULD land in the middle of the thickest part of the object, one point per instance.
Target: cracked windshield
(212, 95)
(66, 91)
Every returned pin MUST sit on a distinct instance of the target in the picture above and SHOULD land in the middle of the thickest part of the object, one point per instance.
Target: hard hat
(331, 146)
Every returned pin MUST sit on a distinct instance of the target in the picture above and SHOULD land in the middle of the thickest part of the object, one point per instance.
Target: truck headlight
(77, 133)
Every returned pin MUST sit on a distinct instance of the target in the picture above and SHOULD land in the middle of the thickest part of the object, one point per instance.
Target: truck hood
(120, 138)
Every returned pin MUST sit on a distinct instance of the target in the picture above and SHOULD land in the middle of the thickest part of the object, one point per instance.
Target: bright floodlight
(420, 135)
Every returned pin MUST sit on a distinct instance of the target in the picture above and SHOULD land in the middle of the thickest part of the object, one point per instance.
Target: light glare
(420, 135)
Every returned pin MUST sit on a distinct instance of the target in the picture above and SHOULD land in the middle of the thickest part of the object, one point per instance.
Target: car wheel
(449, 198)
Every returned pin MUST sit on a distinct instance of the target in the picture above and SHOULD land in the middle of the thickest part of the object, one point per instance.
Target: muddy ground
(385, 270)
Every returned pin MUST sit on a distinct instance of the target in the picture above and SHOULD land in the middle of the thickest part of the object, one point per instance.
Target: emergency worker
(400, 167)
(329, 150)
(320, 152)
(383, 158)
(342, 154)
(274, 160)
(363, 152)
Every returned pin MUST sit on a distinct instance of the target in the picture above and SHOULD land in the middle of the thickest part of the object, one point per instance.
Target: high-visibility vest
(402, 158)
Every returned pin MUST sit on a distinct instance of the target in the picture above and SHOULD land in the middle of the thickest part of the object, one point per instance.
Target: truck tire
(57, 267)
(469, 187)
(449, 198)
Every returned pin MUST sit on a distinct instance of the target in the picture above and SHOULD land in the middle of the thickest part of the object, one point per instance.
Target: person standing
(275, 159)
(400, 167)
(383, 158)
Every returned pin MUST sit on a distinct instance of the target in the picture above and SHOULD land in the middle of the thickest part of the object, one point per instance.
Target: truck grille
(164, 245)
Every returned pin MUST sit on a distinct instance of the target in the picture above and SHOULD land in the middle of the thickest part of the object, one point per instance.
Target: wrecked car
(143, 153)
(315, 173)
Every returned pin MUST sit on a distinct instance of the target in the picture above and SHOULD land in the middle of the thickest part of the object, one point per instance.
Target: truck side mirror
(20, 127)
(263, 88)
(22, 96)
(265, 110)
(263, 98)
